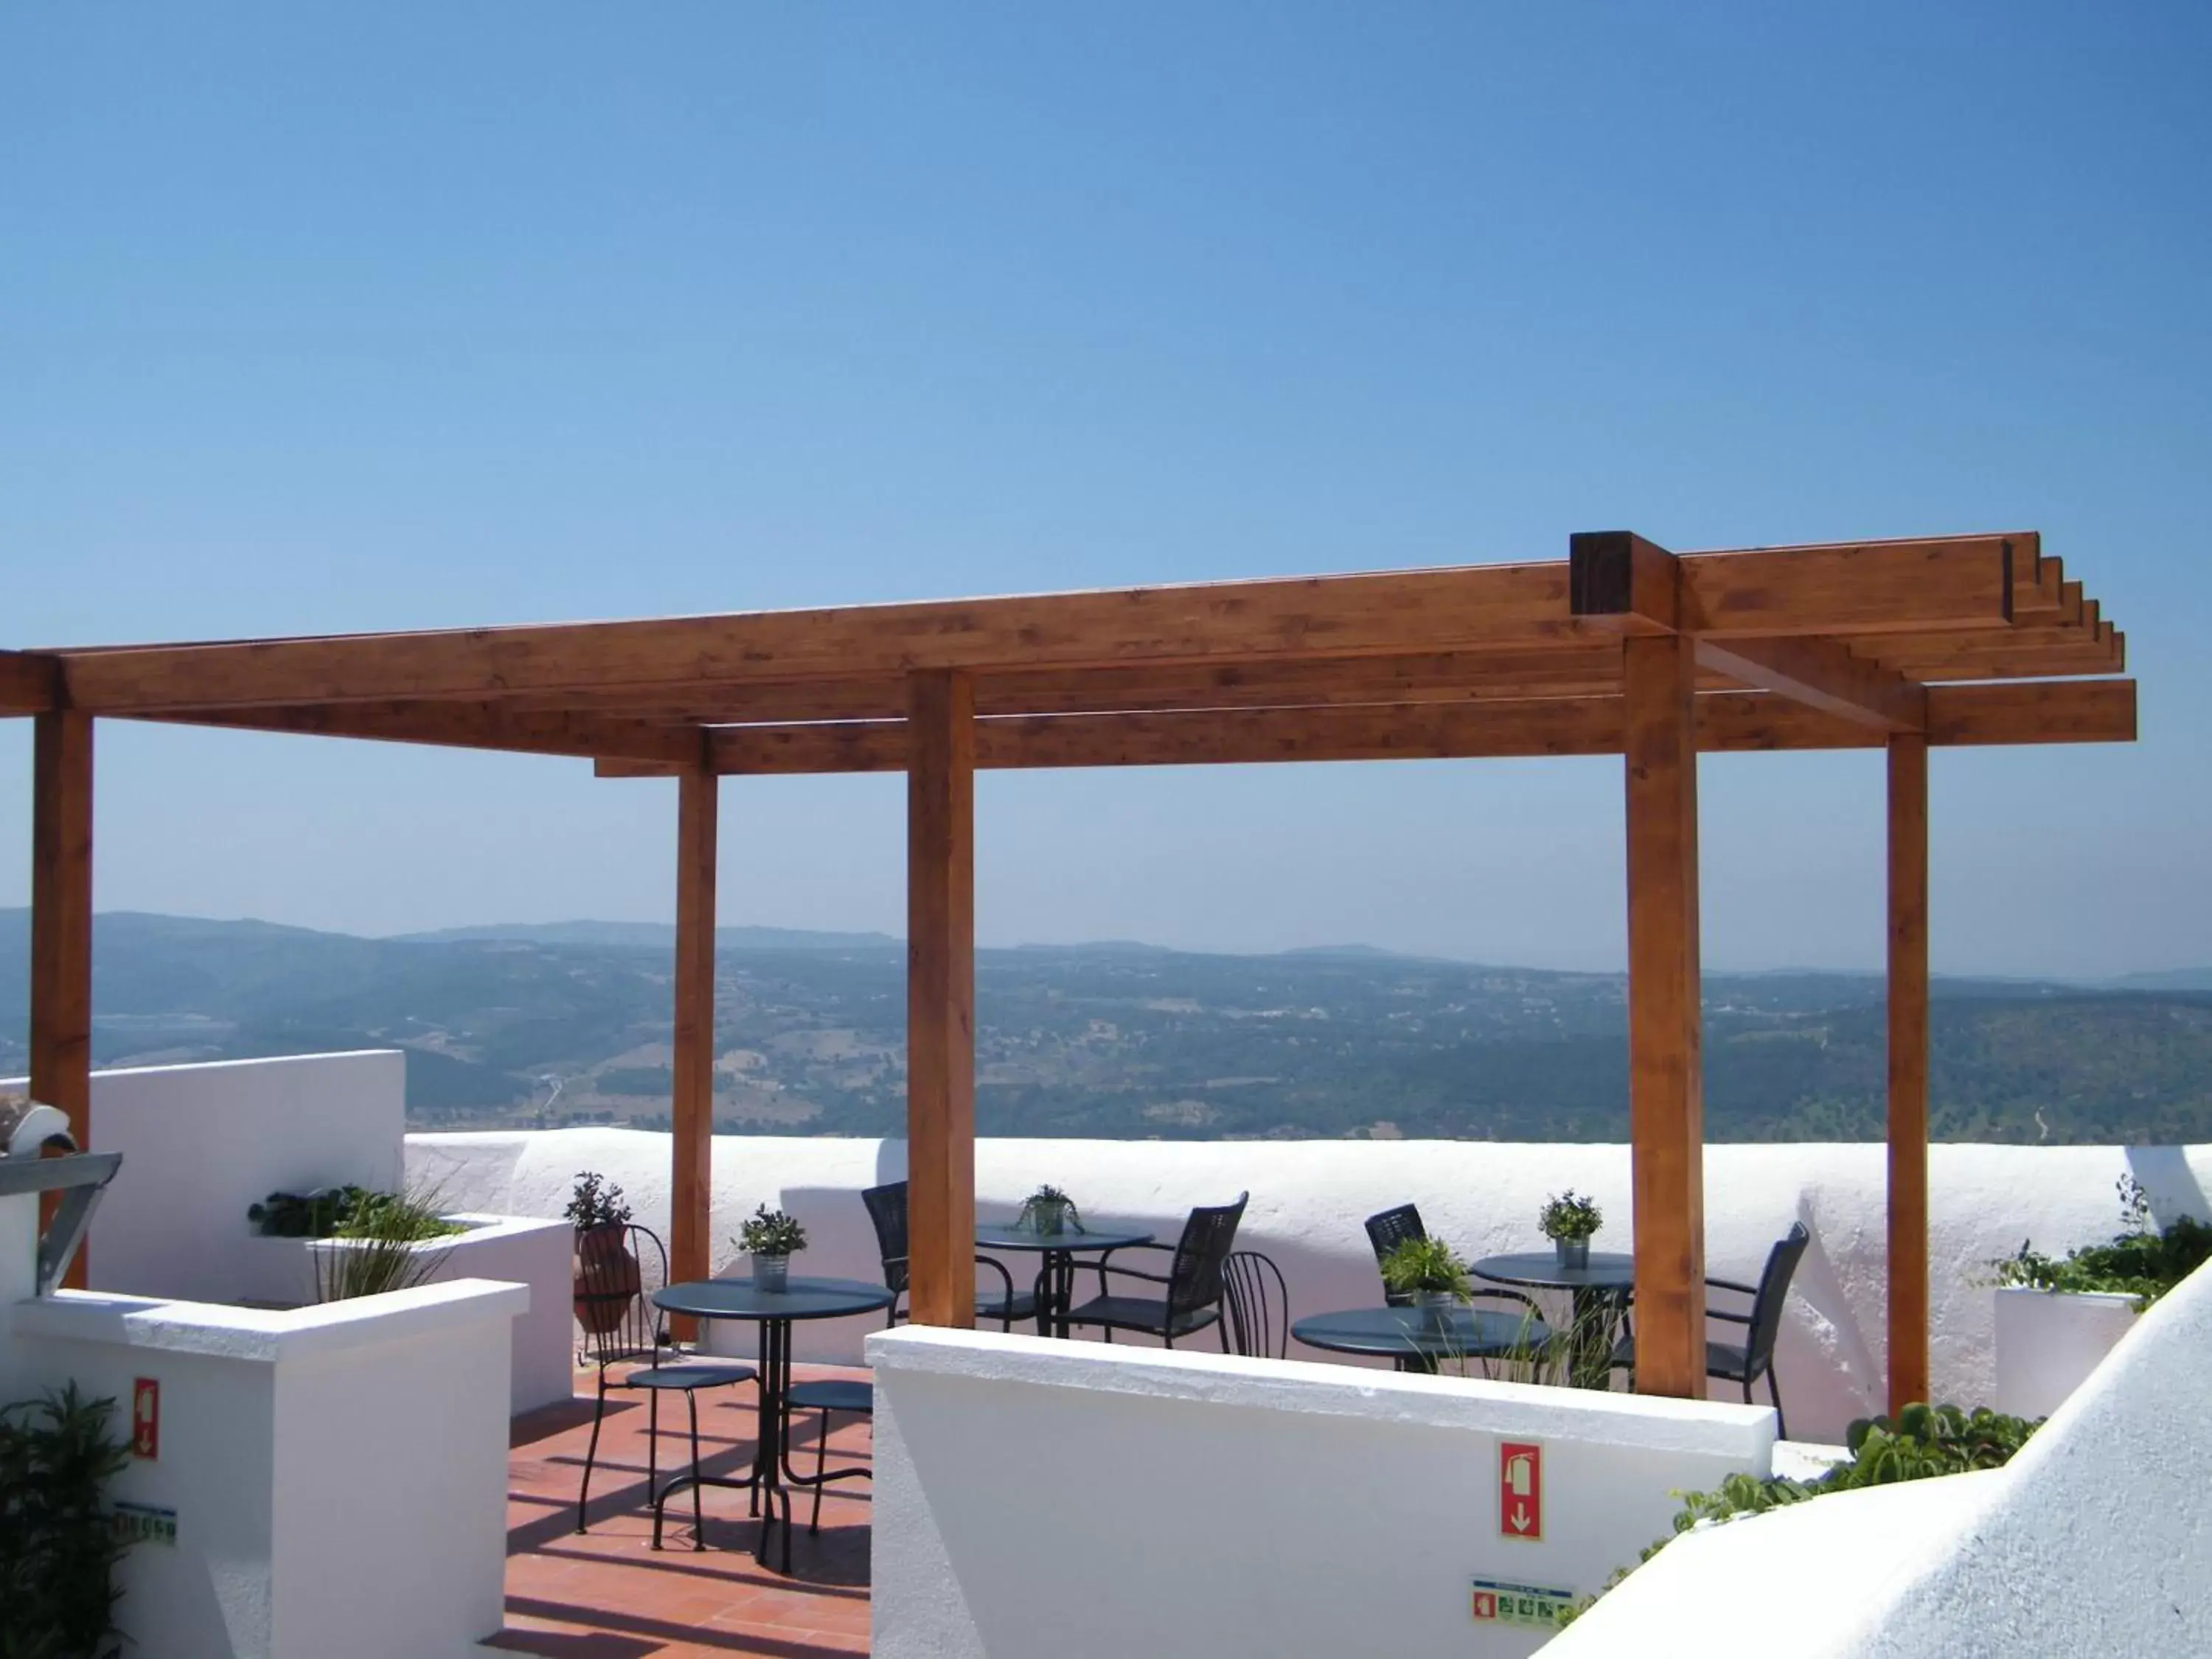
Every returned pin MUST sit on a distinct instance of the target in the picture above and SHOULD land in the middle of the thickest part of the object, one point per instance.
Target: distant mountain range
(557, 1022)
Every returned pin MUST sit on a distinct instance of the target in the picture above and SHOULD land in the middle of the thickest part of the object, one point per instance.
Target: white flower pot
(2048, 1341)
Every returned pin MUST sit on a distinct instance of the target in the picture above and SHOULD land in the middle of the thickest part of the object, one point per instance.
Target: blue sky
(416, 316)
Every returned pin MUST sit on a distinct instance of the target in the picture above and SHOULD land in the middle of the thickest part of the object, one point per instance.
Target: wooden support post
(692, 1112)
(1908, 1070)
(1665, 1023)
(61, 926)
(941, 979)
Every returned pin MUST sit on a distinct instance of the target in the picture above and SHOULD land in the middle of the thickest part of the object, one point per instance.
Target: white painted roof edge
(1745, 1432)
(268, 1336)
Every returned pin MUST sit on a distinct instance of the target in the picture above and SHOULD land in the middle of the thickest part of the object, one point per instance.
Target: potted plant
(2057, 1320)
(603, 1268)
(1048, 1212)
(771, 1238)
(1428, 1270)
(1568, 1220)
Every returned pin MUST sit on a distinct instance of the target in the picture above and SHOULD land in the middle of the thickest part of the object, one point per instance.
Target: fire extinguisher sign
(1520, 1489)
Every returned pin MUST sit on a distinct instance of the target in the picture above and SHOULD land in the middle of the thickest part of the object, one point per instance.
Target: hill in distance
(542, 1025)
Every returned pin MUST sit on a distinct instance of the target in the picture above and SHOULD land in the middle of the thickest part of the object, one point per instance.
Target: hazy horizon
(421, 317)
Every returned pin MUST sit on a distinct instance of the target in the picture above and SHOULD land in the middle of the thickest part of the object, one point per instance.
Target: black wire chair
(1194, 1281)
(1746, 1362)
(1258, 1304)
(887, 1211)
(621, 1327)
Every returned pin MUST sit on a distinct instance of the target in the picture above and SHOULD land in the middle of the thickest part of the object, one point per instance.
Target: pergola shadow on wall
(1623, 647)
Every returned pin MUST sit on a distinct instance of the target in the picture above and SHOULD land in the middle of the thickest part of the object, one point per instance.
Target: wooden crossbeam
(465, 726)
(2066, 711)
(30, 682)
(1822, 675)
(1954, 584)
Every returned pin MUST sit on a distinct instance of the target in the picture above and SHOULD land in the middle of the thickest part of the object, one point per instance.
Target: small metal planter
(1574, 1253)
(771, 1273)
(1436, 1307)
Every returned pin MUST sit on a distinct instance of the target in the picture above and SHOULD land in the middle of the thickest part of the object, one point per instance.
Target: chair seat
(1141, 1313)
(997, 1304)
(687, 1377)
(1723, 1359)
(832, 1394)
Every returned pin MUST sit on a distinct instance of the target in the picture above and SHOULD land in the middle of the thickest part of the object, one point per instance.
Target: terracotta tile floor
(607, 1594)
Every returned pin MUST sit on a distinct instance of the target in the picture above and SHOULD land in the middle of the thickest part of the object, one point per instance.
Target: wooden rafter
(465, 726)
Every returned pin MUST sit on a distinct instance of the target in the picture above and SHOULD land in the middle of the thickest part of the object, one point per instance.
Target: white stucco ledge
(268, 1335)
(1742, 1433)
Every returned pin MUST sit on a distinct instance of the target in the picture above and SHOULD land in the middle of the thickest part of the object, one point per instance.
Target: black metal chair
(1258, 1304)
(1746, 1362)
(1194, 1281)
(887, 1210)
(614, 1295)
(1388, 1231)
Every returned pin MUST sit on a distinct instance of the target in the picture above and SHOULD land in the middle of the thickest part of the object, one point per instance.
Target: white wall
(2048, 1344)
(1309, 1198)
(2096, 1538)
(202, 1143)
(1132, 1502)
(339, 1472)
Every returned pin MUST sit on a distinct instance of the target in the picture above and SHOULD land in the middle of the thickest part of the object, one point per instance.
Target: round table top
(800, 1298)
(1432, 1333)
(1608, 1271)
(1004, 1235)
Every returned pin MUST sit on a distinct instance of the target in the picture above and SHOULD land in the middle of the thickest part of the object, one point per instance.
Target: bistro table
(1055, 1279)
(1601, 1290)
(1417, 1339)
(775, 1311)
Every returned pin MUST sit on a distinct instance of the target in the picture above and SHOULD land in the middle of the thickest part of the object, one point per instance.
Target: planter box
(2049, 1341)
(280, 1273)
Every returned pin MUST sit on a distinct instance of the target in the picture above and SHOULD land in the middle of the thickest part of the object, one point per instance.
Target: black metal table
(775, 1311)
(1418, 1337)
(1055, 1279)
(1603, 1290)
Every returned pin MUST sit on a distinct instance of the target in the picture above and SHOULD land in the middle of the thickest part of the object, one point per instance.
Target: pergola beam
(30, 682)
(1823, 675)
(2063, 711)
(476, 725)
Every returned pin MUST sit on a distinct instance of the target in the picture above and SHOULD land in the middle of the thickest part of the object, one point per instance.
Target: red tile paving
(606, 1594)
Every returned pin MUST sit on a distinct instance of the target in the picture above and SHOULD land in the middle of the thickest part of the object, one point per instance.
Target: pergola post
(1665, 1023)
(940, 977)
(1908, 1070)
(692, 1106)
(61, 924)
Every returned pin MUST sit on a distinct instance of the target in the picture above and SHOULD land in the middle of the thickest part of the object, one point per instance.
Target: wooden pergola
(1623, 649)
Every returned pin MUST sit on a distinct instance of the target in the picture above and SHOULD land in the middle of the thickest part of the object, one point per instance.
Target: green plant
(1425, 1265)
(1922, 1442)
(373, 1249)
(1568, 1216)
(2140, 1261)
(59, 1546)
(771, 1232)
(596, 1202)
(1050, 1210)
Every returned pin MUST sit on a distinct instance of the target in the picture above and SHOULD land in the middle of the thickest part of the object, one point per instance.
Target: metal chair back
(1194, 1280)
(1388, 1231)
(618, 1273)
(887, 1209)
(1258, 1304)
(1773, 1290)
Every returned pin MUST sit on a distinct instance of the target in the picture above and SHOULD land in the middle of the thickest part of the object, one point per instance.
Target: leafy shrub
(1570, 1216)
(330, 1212)
(1414, 1265)
(596, 1202)
(771, 1232)
(1924, 1442)
(2140, 1261)
(59, 1546)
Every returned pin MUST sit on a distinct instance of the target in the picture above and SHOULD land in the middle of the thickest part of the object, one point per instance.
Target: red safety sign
(1520, 1489)
(146, 1418)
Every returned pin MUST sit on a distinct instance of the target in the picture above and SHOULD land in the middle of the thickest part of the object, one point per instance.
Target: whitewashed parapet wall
(1309, 1198)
